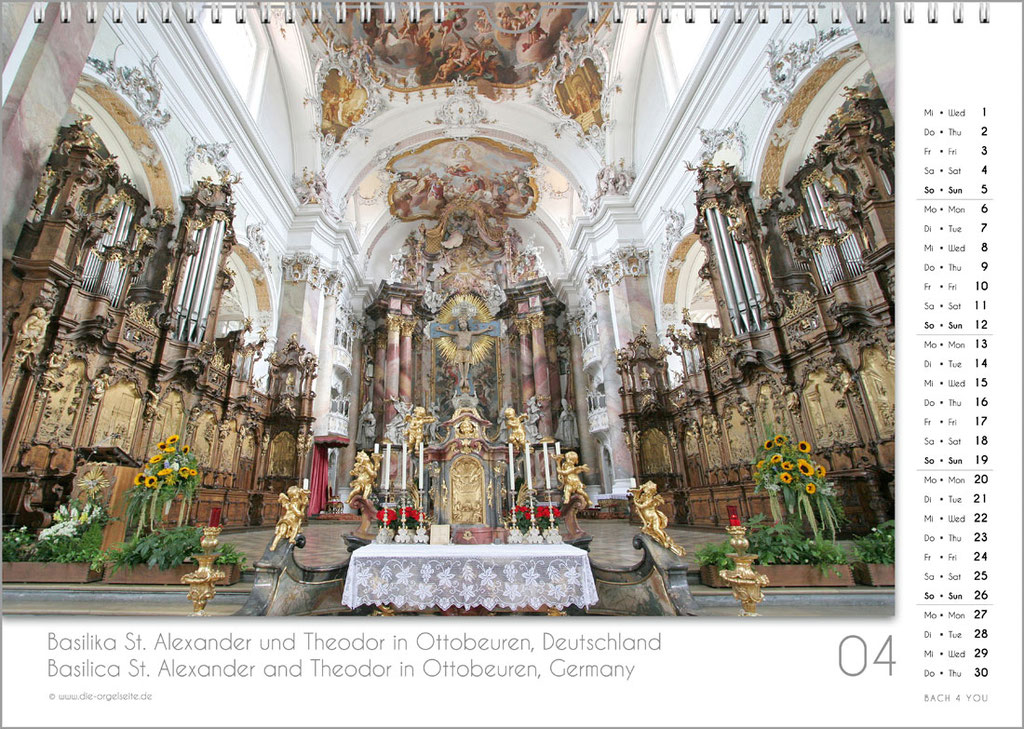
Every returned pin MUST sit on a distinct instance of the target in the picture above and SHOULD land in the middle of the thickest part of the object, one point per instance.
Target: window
(241, 52)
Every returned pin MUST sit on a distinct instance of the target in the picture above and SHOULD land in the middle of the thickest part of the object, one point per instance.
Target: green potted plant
(875, 556)
(711, 558)
(791, 559)
(784, 553)
(162, 557)
(69, 550)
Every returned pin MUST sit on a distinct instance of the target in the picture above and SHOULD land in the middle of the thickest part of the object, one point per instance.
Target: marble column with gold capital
(541, 381)
(405, 367)
(391, 366)
(525, 361)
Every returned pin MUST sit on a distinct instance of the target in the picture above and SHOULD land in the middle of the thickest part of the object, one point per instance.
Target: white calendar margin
(729, 672)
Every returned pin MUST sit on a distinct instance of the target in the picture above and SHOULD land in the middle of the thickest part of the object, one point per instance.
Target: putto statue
(414, 426)
(648, 502)
(516, 431)
(364, 476)
(568, 473)
(294, 500)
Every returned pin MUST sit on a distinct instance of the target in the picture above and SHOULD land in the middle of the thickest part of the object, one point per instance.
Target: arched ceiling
(533, 84)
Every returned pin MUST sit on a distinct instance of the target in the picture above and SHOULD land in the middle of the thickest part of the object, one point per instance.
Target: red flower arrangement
(393, 517)
(544, 516)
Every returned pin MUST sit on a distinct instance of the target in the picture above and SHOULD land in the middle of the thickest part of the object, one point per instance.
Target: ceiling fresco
(494, 175)
(496, 45)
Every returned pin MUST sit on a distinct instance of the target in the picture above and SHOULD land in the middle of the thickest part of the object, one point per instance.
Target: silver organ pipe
(105, 277)
(711, 219)
(196, 291)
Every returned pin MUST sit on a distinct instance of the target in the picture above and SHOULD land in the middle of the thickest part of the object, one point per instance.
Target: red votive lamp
(734, 517)
(215, 516)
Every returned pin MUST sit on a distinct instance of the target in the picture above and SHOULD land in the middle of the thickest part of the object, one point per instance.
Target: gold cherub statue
(647, 500)
(294, 500)
(364, 476)
(516, 432)
(569, 477)
(414, 430)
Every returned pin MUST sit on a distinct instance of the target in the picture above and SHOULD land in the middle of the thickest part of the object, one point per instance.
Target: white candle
(387, 468)
(511, 480)
(421, 466)
(529, 478)
(405, 447)
(558, 448)
(547, 470)
(376, 448)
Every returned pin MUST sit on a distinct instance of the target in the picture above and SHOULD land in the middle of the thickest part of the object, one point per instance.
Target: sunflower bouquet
(787, 469)
(169, 473)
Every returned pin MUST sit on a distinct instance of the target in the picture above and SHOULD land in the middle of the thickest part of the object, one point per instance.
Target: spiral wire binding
(616, 11)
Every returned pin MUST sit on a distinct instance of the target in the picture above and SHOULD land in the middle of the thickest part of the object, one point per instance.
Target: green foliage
(787, 470)
(170, 473)
(19, 545)
(785, 543)
(715, 555)
(167, 549)
(878, 547)
(83, 548)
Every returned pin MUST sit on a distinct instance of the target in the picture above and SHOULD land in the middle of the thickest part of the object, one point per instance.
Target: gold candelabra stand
(201, 581)
(745, 582)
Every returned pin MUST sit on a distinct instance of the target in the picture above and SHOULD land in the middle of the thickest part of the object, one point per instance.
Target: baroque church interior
(278, 229)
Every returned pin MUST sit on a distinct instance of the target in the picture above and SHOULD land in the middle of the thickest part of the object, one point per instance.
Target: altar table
(512, 576)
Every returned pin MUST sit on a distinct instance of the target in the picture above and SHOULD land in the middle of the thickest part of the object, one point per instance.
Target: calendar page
(511, 364)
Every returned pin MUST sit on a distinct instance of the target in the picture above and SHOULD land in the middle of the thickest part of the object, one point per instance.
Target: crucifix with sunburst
(465, 334)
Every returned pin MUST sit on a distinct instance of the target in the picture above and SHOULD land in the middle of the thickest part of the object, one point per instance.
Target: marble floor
(612, 543)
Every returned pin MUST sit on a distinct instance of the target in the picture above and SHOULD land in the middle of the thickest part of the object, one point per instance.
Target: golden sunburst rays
(472, 307)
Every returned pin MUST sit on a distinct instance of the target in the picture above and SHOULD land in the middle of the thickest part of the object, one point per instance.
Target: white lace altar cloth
(509, 576)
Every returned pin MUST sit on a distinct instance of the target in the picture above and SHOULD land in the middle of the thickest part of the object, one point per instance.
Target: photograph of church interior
(444, 308)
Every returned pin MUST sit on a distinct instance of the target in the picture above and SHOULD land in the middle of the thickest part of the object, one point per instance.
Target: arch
(803, 114)
(145, 152)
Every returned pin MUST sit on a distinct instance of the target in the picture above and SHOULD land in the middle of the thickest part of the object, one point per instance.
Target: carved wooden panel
(60, 413)
(879, 379)
(830, 422)
(118, 416)
(168, 420)
(282, 455)
(654, 451)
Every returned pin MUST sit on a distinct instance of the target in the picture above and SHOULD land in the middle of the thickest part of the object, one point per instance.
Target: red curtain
(318, 480)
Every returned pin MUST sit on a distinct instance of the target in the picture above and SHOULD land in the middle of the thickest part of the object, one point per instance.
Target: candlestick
(734, 517)
(201, 581)
(215, 516)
